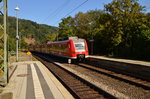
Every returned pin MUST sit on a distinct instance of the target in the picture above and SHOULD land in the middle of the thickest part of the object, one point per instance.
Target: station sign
(91, 40)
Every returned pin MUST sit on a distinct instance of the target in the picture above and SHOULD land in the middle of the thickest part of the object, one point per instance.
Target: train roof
(63, 41)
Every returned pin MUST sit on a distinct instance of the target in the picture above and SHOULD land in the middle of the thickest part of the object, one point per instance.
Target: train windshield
(79, 46)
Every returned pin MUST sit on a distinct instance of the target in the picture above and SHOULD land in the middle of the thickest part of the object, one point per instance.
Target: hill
(28, 31)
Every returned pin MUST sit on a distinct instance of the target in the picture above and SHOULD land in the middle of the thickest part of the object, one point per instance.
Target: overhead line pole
(4, 51)
(5, 44)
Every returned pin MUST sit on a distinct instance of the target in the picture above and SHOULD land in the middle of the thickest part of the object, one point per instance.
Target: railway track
(76, 85)
(135, 71)
(100, 91)
(128, 79)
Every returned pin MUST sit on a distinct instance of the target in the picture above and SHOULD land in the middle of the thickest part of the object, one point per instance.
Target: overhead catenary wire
(73, 10)
(76, 8)
(55, 12)
(148, 8)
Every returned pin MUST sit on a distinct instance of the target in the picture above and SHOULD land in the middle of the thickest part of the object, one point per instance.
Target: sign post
(92, 41)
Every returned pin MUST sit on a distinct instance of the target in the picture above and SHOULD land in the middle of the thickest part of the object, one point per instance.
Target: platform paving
(32, 80)
(136, 62)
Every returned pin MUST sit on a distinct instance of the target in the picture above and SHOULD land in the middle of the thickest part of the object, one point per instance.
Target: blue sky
(51, 12)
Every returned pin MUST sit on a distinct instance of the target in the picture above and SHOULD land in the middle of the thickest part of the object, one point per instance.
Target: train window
(79, 46)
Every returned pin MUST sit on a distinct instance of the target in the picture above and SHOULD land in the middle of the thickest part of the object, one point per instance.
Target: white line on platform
(37, 86)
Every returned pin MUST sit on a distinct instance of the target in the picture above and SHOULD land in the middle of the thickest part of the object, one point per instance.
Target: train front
(79, 49)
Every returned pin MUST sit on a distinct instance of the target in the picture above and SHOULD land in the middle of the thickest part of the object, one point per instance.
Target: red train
(73, 48)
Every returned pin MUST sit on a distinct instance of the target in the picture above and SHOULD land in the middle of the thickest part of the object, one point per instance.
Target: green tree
(99, 29)
(127, 18)
(83, 25)
(51, 37)
(66, 28)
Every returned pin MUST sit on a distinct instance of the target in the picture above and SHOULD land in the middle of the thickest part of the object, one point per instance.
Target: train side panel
(72, 53)
(74, 49)
(86, 49)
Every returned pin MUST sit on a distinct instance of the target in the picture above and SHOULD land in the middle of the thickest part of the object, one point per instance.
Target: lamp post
(17, 36)
(20, 41)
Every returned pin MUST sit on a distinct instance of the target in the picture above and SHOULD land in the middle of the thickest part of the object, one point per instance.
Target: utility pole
(3, 43)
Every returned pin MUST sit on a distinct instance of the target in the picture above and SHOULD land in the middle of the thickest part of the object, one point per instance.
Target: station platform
(32, 80)
(136, 62)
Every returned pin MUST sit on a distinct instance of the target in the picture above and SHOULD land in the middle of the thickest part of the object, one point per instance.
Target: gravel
(119, 89)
